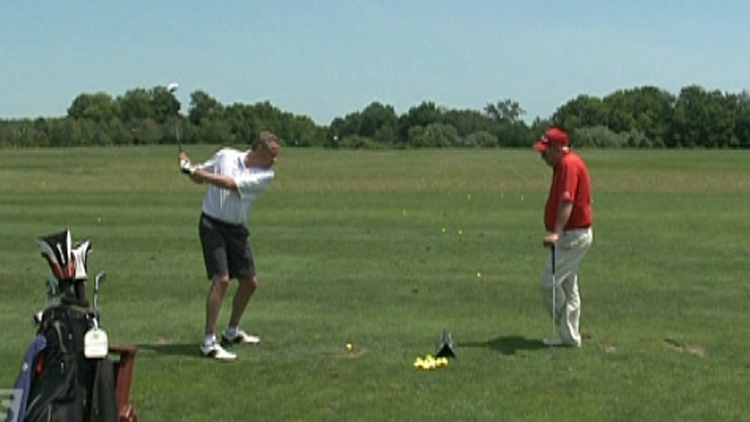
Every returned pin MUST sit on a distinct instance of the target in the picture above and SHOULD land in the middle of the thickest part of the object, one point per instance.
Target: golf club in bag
(51, 299)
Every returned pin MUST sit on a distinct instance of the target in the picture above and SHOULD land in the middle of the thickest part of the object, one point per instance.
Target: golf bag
(66, 385)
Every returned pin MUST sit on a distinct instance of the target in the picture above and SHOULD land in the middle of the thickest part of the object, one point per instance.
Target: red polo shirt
(570, 183)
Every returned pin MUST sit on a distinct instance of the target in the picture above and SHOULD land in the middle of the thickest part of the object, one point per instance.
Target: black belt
(217, 221)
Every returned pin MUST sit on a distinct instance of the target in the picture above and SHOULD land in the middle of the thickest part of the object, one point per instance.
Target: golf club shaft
(177, 134)
(554, 298)
(172, 88)
(52, 292)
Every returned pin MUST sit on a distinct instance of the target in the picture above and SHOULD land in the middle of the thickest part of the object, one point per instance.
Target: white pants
(571, 248)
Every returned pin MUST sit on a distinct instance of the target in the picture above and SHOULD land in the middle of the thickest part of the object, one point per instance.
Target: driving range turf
(385, 250)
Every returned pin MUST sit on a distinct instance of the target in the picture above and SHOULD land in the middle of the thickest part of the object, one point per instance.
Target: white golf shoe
(214, 350)
(240, 337)
(559, 342)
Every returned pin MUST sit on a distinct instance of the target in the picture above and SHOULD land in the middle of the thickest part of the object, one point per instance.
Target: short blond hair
(264, 140)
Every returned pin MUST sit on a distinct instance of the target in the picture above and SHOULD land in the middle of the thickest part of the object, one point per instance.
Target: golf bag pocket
(56, 393)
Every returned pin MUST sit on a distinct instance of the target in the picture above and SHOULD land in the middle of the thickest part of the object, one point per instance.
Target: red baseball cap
(553, 135)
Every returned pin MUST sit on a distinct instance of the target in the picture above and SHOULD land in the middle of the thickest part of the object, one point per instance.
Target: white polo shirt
(224, 204)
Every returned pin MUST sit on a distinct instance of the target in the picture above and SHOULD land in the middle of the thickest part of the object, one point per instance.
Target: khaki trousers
(571, 248)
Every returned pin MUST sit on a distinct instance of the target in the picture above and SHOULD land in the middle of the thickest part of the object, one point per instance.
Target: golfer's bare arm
(226, 182)
(563, 215)
(202, 176)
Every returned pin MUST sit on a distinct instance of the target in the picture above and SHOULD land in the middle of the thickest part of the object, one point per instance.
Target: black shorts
(226, 248)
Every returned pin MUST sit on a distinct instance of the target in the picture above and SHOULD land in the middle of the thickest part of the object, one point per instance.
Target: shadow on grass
(507, 345)
(172, 349)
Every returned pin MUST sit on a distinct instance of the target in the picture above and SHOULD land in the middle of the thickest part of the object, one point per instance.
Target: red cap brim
(541, 145)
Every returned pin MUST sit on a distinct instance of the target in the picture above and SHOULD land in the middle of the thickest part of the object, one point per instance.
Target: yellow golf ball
(349, 347)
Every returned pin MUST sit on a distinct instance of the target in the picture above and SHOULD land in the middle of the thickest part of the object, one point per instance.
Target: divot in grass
(609, 348)
(693, 349)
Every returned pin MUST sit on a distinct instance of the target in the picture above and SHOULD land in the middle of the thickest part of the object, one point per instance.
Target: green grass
(364, 247)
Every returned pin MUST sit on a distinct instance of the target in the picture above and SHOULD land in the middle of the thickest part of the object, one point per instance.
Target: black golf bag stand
(68, 263)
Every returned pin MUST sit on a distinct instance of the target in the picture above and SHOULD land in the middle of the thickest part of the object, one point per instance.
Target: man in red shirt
(568, 220)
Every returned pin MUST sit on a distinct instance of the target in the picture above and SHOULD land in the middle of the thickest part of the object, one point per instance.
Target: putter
(52, 298)
(53, 293)
(98, 282)
(172, 88)
(554, 287)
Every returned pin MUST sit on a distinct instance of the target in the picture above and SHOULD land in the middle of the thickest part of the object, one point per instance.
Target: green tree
(164, 105)
(513, 135)
(582, 111)
(647, 110)
(99, 107)
(241, 121)
(434, 135)
(136, 105)
(505, 111)
(598, 137)
(702, 119)
(304, 132)
(481, 139)
(119, 133)
(215, 132)
(422, 115)
(378, 122)
(742, 119)
(24, 133)
(146, 131)
(204, 107)
(468, 122)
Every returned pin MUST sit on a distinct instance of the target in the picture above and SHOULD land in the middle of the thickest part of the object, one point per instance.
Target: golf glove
(187, 168)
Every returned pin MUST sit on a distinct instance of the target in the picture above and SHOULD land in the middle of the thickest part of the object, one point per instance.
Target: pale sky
(328, 58)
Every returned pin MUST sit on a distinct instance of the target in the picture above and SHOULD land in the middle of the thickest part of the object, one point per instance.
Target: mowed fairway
(384, 250)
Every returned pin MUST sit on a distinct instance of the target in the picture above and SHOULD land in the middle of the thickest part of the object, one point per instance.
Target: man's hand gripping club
(186, 166)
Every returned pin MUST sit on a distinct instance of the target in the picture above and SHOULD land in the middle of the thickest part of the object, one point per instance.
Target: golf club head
(53, 292)
(37, 318)
(80, 254)
(98, 280)
(56, 249)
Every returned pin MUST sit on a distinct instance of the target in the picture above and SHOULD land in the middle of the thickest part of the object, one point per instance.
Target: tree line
(643, 117)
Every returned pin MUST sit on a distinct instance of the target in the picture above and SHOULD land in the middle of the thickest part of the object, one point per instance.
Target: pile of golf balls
(429, 362)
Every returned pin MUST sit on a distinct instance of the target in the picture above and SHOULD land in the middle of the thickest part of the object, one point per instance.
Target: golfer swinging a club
(234, 179)
(567, 219)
